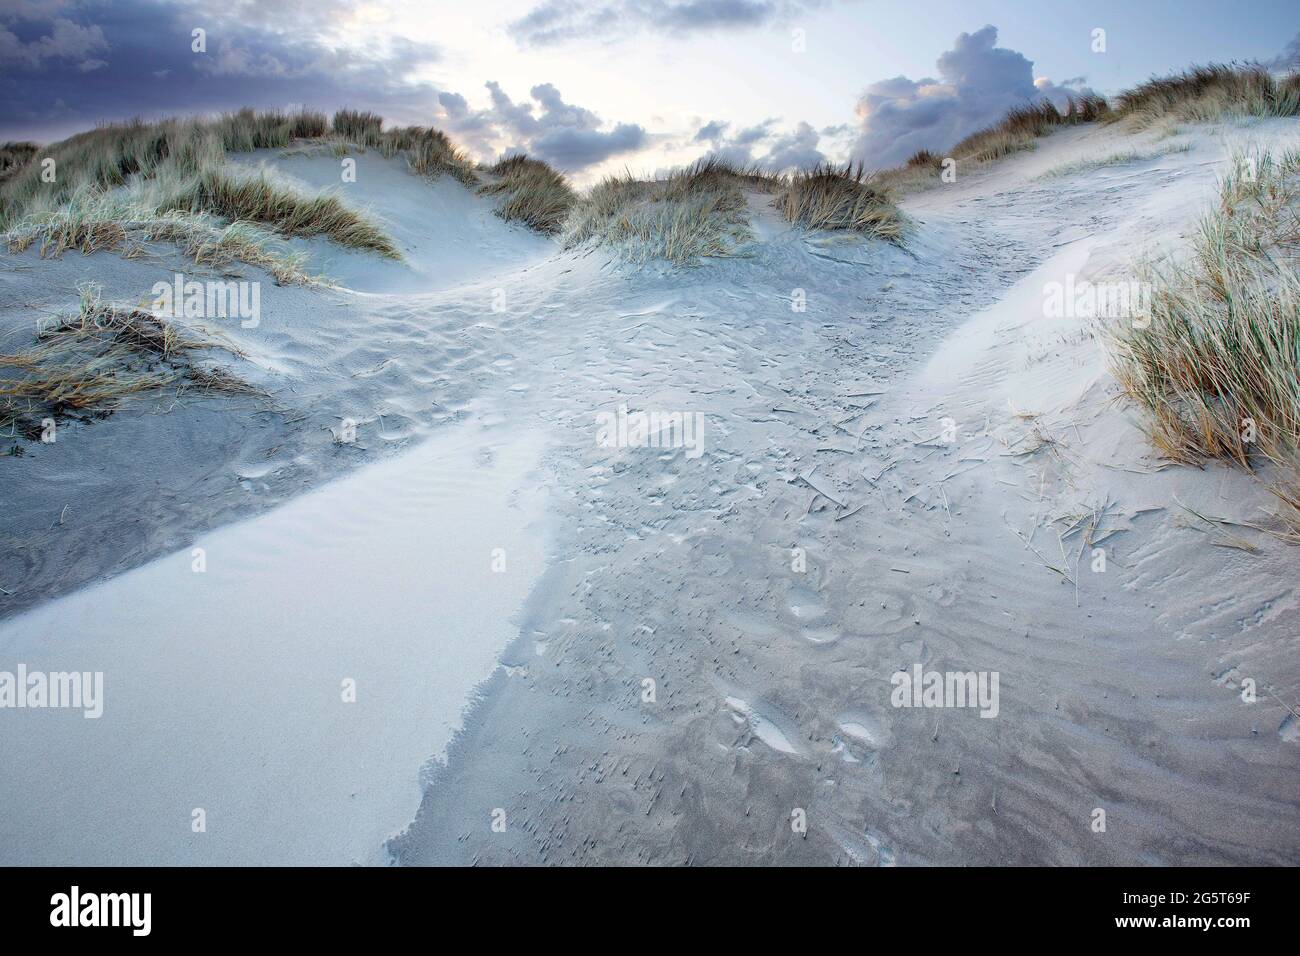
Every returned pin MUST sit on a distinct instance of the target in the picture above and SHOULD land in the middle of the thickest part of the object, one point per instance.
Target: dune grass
(925, 159)
(92, 220)
(697, 212)
(429, 152)
(702, 211)
(1217, 369)
(106, 157)
(1200, 94)
(1208, 93)
(93, 360)
(1122, 157)
(152, 176)
(833, 197)
(13, 157)
(257, 197)
(1021, 128)
(531, 192)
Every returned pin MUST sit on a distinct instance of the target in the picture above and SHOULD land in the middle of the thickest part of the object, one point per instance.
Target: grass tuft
(1216, 369)
(137, 178)
(13, 157)
(92, 221)
(1022, 126)
(694, 213)
(1208, 93)
(833, 197)
(95, 359)
(257, 197)
(924, 159)
(429, 152)
(530, 192)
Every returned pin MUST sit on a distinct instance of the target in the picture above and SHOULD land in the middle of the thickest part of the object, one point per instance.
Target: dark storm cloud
(557, 21)
(978, 82)
(67, 66)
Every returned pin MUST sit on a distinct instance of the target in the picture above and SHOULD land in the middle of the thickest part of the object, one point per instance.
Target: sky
(600, 86)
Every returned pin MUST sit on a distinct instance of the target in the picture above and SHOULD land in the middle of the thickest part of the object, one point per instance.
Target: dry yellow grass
(429, 152)
(702, 211)
(1207, 93)
(95, 359)
(256, 197)
(697, 212)
(145, 173)
(831, 197)
(531, 192)
(1216, 367)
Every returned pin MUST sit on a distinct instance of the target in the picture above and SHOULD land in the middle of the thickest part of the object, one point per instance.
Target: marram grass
(98, 357)
(1217, 368)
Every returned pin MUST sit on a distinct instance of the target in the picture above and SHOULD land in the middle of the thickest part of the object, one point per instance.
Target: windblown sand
(824, 438)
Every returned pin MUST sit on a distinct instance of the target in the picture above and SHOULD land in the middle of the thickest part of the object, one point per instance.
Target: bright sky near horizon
(599, 85)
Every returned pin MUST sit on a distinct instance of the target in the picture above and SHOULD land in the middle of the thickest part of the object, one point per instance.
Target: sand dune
(684, 653)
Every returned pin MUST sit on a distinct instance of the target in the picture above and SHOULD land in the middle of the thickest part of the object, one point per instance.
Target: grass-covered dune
(1216, 366)
(169, 180)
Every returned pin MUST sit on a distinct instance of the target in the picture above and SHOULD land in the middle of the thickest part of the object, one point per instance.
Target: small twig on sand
(1047, 564)
(807, 479)
(1283, 703)
(1228, 540)
(850, 514)
(882, 472)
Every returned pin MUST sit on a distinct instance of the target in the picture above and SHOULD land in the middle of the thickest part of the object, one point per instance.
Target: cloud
(978, 82)
(763, 145)
(272, 54)
(711, 132)
(1289, 59)
(262, 53)
(559, 21)
(563, 134)
(1062, 93)
(797, 150)
(65, 40)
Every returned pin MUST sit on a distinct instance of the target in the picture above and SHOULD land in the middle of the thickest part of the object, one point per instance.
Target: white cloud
(763, 145)
(563, 134)
(978, 83)
(557, 21)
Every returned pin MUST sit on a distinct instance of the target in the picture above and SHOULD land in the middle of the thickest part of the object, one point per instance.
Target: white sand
(224, 690)
(1118, 690)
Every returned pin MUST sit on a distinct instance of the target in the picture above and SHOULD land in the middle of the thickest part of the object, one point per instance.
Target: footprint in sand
(805, 604)
(864, 729)
(762, 725)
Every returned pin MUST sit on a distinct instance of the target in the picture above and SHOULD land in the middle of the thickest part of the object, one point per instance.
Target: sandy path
(772, 684)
